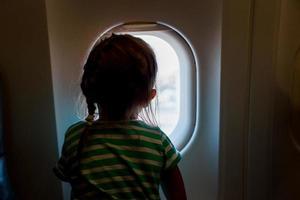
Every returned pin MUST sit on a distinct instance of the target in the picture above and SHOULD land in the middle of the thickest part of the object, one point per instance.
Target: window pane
(167, 82)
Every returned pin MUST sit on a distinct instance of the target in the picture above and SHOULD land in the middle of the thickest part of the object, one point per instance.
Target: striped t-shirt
(115, 160)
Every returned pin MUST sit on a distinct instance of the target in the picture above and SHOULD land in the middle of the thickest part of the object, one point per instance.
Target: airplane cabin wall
(25, 76)
(259, 43)
(259, 146)
(286, 136)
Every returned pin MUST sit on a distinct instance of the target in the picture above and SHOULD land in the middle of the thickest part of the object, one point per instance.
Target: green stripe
(174, 162)
(125, 183)
(171, 153)
(112, 173)
(123, 131)
(165, 143)
(78, 124)
(73, 129)
(121, 172)
(113, 161)
(73, 140)
(132, 154)
(72, 149)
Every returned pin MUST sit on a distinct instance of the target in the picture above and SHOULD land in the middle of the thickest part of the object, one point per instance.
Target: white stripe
(168, 148)
(124, 137)
(76, 142)
(132, 160)
(103, 168)
(73, 134)
(114, 179)
(171, 160)
(128, 127)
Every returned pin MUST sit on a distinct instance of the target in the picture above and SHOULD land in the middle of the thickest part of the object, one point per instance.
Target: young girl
(118, 156)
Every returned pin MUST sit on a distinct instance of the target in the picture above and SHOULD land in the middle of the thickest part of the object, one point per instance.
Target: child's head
(119, 76)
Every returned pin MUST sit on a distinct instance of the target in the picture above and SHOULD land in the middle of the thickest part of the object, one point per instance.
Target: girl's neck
(106, 116)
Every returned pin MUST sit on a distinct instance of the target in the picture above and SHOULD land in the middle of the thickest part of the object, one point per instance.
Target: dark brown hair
(119, 74)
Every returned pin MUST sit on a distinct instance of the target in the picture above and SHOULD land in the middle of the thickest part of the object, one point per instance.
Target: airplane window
(177, 78)
(167, 82)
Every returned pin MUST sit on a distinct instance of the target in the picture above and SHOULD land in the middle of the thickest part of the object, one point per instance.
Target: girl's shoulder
(128, 124)
(77, 124)
(148, 128)
(146, 125)
(75, 128)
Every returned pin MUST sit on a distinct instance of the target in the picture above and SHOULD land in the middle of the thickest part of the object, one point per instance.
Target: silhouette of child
(119, 156)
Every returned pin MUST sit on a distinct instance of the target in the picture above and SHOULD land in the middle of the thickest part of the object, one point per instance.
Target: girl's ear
(152, 94)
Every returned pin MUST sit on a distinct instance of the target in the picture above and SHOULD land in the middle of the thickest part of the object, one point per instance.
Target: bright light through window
(167, 82)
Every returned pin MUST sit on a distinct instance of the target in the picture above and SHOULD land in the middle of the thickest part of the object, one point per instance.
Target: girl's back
(123, 160)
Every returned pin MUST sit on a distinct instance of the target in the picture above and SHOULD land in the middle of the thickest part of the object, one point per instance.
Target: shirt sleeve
(62, 165)
(171, 154)
(65, 164)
